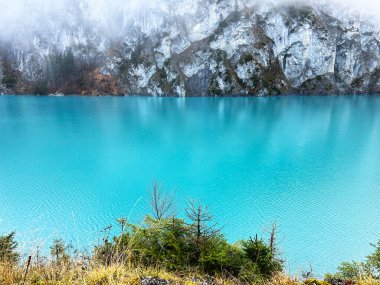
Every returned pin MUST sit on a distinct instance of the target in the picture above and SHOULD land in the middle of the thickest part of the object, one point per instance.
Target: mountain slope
(196, 48)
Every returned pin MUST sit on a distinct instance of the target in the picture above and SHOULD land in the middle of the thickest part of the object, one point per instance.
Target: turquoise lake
(69, 166)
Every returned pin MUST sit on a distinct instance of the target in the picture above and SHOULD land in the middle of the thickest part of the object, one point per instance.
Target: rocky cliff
(196, 48)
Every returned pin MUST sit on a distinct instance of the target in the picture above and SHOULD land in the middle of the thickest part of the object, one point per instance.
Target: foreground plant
(366, 272)
(167, 249)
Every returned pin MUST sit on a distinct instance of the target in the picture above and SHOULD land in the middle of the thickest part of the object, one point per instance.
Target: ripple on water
(70, 166)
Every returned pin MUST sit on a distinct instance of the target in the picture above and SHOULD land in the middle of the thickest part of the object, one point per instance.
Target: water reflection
(308, 162)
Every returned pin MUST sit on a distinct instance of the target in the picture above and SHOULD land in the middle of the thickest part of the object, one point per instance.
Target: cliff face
(215, 47)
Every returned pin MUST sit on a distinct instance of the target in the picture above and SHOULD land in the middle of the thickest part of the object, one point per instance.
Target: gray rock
(214, 47)
(154, 281)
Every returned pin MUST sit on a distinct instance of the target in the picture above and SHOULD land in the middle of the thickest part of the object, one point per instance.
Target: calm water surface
(69, 166)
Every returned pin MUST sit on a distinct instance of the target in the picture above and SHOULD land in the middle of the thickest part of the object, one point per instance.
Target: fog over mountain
(111, 16)
(178, 47)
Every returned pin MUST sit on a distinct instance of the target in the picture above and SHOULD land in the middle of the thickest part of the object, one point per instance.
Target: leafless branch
(201, 219)
(161, 203)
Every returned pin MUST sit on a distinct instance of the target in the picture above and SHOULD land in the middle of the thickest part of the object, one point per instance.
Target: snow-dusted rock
(178, 47)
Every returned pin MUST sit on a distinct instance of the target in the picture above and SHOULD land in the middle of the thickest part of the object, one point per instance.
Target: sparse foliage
(273, 239)
(8, 247)
(123, 223)
(203, 228)
(357, 271)
(60, 251)
(179, 244)
(374, 260)
(170, 243)
(161, 203)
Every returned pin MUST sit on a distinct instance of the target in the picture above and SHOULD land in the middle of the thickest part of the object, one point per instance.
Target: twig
(27, 268)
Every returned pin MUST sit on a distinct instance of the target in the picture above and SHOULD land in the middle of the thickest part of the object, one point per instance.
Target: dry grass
(117, 274)
(72, 274)
(368, 281)
(75, 273)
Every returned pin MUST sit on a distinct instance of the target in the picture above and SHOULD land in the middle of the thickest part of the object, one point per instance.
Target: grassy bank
(167, 249)
(117, 274)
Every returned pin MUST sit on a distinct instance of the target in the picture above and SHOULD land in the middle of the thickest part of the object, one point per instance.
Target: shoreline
(194, 96)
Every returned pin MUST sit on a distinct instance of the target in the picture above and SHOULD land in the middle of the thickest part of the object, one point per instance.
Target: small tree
(10, 75)
(8, 247)
(359, 270)
(260, 254)
(60, 251)
(273, 239)
(161, 203)
(203, 227)
(123, 222)
(374, 258)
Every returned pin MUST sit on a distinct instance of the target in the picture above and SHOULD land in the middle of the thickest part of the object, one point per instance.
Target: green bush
(167, 242)
(370, 268)
(373, 260)
(177, 244)
(218, 256)
(259, 253)
(163, 242)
